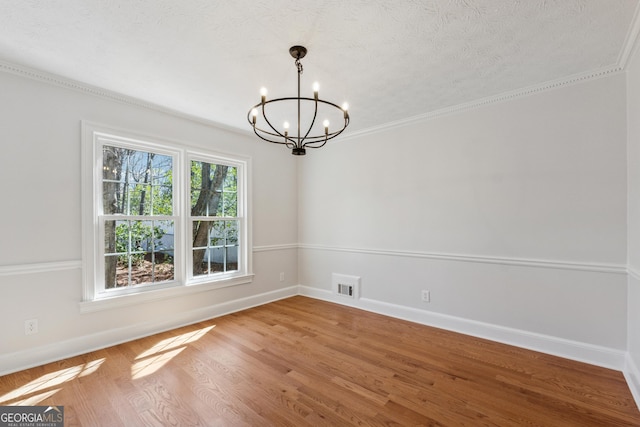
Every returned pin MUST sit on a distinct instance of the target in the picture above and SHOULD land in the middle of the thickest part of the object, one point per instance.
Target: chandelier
(307, 135)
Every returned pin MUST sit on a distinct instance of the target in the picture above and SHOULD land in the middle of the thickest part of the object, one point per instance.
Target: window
(160, 216)
(214, 218)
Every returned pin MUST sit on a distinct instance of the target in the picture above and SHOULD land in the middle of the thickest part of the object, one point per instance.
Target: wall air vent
(346, 286)
(346, 290)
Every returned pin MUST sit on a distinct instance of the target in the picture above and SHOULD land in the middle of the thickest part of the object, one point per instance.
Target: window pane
(210, 184)
(132, 180)
(217, 234)
(163, 267)
(231, 233)
(217, 263)
(231, 180)
(164, 237)
(111, 262)
(110, 237)
(195, 195)
(200, 238)
(162, 199)
(200, 234)
(162, 170)
(215, 246)
(112, 197)
(138, 252)
(232, 258)
(200, 262)
(112, 163)
(229, 204)
(137, 200)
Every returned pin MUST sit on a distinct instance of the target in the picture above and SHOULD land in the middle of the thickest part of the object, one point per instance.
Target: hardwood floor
(301, 361)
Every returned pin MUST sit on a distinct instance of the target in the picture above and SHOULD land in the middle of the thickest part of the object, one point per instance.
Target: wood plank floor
(301, 361)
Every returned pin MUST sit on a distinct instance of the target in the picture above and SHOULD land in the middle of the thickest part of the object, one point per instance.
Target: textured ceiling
(391, 60)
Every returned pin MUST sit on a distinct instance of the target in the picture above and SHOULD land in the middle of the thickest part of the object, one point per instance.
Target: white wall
(40, 223)
(513, 215)
(632, 370)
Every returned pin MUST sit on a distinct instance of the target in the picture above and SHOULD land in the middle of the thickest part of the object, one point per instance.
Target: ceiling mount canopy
(308, 135)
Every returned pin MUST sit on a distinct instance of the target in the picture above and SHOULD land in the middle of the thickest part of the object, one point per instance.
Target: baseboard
(17, 361)
(583, 352)
(579, 351)
(632, 375)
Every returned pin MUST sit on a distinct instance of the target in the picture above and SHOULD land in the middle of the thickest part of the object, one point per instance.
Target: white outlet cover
(31, 326)
(426, 296)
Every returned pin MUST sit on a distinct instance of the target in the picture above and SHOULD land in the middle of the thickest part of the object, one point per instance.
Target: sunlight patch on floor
(151, 360)
(47, 385)
(152, 364)
(175, 342)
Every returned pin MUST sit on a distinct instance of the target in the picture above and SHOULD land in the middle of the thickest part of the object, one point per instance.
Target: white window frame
(243, 252)
(95, 296)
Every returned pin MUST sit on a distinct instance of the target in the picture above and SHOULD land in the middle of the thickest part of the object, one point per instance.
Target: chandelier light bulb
(326, 126)
(254, 114)
(286, 125)
(263, 94)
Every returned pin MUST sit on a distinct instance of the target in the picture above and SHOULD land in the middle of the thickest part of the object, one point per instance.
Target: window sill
(118, 301)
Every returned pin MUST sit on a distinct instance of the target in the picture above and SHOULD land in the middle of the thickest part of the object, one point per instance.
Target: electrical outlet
(282, 277)
(426, 295)
(31, 326)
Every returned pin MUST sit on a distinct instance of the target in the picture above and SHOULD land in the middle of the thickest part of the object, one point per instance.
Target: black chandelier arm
(308, 144)
(315, 114)
(291, 140)
(264, 116)
(293, 98)
(288, 141)
(260, 132)
(323, 139)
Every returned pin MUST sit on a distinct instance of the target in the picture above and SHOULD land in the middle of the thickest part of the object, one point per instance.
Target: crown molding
(505, 96)
(630, 44)
(56, 80)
